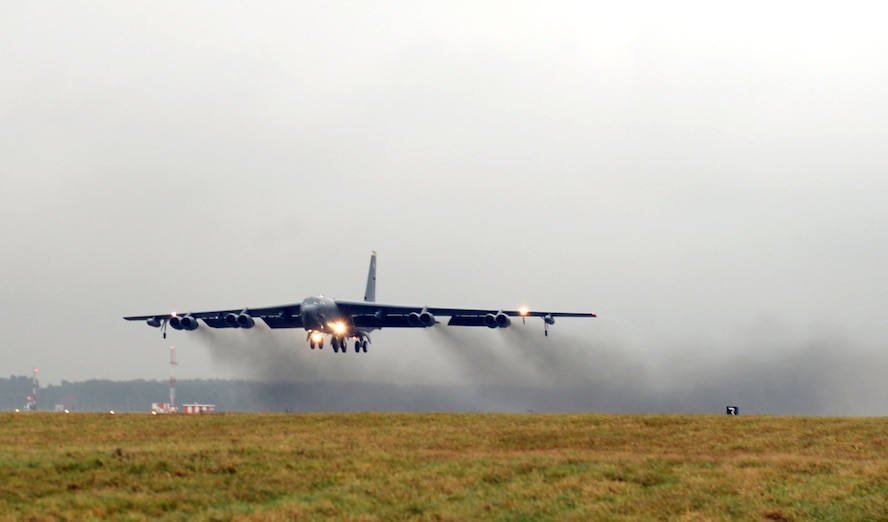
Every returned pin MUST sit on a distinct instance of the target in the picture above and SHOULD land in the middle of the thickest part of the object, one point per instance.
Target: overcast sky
(710, 178)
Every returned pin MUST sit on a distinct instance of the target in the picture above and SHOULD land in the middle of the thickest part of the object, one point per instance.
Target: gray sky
(710, 179)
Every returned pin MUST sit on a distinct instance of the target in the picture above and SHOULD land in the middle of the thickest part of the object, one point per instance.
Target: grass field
(370, 466)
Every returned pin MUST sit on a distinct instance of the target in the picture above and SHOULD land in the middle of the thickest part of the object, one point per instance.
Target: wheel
(364, 346)
(321, 344)
(311, 344)
(357, 346)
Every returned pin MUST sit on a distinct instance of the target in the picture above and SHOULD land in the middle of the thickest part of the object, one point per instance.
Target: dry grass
(441, 467)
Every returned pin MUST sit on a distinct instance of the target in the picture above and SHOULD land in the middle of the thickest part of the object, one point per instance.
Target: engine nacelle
(245, 321)
(497, 320)
(154, 322)
(502, 320)
(186, 322)
(490, 321)
(549, 319)
(241, 320)
(426, 318)
(423, 319)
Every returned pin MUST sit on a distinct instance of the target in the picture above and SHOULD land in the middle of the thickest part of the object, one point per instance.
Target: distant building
(165, 407)
(162, 407)
(198, 408)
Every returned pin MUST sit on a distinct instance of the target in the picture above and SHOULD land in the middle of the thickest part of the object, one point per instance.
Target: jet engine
(502, 320)
(241, 320)
(186, 322)
(423, 319)
(497, 320)
(155, 322)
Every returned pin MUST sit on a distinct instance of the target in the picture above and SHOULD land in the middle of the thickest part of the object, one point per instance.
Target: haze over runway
(711, 180)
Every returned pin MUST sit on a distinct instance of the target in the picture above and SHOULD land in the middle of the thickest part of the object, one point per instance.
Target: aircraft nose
(310, 316)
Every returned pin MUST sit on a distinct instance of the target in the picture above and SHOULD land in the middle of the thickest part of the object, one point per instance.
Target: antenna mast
(172, 378)
(32, 399)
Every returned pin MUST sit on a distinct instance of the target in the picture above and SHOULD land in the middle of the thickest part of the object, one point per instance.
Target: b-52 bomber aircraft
(343, 320)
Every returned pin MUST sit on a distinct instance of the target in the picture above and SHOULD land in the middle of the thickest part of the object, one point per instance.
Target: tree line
(250, 396)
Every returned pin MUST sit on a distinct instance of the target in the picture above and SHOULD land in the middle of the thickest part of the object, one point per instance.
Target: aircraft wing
(377, 315)
(363, 315)
(321, 316)
(283, 316)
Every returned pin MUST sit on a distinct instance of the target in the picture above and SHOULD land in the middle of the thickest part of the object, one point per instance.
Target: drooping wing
(376, 315)
(283, 316)
(362, 314)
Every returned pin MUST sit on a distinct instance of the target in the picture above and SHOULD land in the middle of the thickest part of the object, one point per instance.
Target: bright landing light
(338, 327)
(523, 311)
(316, 337)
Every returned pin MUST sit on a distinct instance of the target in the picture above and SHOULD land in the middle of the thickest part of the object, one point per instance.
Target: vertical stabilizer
(370, 293)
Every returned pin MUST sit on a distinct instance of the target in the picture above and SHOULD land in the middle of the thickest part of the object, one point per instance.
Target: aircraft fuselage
(321, 314)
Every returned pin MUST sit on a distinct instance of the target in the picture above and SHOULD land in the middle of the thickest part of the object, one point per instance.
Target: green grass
(371, 466)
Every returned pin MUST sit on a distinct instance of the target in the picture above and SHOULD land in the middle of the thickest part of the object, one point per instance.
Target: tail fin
(370, 293)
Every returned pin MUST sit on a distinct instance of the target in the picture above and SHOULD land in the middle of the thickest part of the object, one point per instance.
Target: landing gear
(315, 340)
(340, 344)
